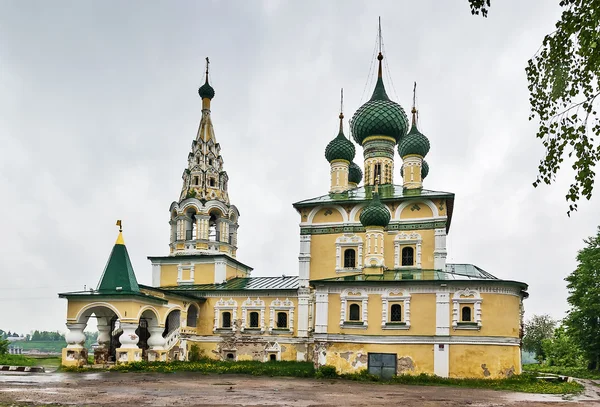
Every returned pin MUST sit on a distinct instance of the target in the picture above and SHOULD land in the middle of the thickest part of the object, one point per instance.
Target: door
(383, 364)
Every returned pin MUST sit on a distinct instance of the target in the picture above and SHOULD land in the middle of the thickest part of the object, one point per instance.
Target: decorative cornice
(357, 228)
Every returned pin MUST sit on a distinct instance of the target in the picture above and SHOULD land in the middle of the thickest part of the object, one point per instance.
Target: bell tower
(203, 221)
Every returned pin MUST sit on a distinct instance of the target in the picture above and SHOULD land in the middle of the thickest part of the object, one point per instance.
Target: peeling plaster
(405, 365)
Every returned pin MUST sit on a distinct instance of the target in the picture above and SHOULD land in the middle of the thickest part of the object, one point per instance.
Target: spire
(379, 92)
(206, 91)
(414, 107)
(118, 276)
(341, 116)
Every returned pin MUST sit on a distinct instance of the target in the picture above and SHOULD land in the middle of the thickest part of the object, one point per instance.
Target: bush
(326, 372)
(195, 354)
(3, 346)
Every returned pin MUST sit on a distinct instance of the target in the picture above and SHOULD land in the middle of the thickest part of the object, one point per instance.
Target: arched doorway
(106, 318)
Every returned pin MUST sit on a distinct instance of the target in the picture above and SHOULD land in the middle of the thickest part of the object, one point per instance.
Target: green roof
(340, 148)
(118, 276)
(354, 173)
(375, 214)
(241, 283)
(414, 143)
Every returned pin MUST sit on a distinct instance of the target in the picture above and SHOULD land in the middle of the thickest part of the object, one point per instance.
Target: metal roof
(360, 194)
(243, 283)
(453, 272)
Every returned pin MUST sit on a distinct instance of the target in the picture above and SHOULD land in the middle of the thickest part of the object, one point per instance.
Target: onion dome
(376, 214)
(424, 169)
(379, 116)
(355, 173)
(340, 148)
(206, 91)
(414, 143)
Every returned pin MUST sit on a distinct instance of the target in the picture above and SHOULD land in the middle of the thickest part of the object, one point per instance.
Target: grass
(43, 346)
(578, 372)
(526, 383)
(22, 360)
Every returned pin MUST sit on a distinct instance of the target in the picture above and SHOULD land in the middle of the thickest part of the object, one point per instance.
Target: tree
(562, 350)
(583, 319)
(3, 347)
(564, 85)
(536, 329)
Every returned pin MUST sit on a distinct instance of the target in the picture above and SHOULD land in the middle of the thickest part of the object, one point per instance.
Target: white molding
(253, 305)
(279, 305)
(321, 309)
(419, 339)
(354, 294)
(471, 296)
(222, 305)
(386, 298)
(436, 286)
(407, 239)
(353, 241)
(442, 313)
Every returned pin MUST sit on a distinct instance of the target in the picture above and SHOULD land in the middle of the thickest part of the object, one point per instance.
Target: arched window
(226, 319)
(408, 256)
(213, 234)
(230, 356)
(466, 314)
(377, 173)
(282, 320)
(212, 182)
(354, 312)
(192, 316)
(254, 319)
(350, 258)
(273, 357)
(210, 161)
(198, 160)
(396, 313)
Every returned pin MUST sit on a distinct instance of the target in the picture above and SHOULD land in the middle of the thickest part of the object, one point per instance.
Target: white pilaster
(322, 310)
(440, 252)
(220, 271)
(441, 359)
(303, 304)
(304, 260)
(442, 313)
(156, 275)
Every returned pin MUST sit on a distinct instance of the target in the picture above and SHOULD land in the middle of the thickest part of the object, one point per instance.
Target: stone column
(101, 352)
(129, 351)
(75, 353)
(157, 343)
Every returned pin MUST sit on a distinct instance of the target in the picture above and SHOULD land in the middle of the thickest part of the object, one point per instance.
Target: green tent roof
(118, 275)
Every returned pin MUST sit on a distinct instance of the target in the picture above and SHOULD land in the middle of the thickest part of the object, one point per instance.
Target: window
(408, 256)
(377, 173)
(195, 180)
(396, 313)
(254, 319)
(354, 312)
(198, 160)
(210, 161)
(212, 182)
(350, 258)
(282, 320)
(192, 316)
(226, 318)
(466, 314)
(273, 357)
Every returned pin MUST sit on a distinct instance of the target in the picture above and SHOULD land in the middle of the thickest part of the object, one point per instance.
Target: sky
(99, 106)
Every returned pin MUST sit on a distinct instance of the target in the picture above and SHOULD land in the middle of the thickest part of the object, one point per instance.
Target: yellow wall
(328, 215)
(491, 361)
(412, 359)
(249, 349)
(500, 316)
(423, 212)
(168, 275)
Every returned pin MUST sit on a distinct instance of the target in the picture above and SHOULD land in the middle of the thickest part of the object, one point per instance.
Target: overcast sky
(99, 105)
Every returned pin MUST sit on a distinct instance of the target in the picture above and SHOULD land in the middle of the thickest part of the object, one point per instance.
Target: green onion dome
(379, 116)
(414, 143)
(355, 174)
(375, 214)
(340, 148)
(206, 91)
(424, 169)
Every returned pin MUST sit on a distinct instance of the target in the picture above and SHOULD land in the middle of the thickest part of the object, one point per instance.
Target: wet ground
(191, 389)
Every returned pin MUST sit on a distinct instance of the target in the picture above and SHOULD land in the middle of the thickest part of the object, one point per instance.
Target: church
(373, 290)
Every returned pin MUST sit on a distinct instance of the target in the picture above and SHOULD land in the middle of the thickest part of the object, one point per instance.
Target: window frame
(402, 240)
(277, 306)
(221, 306)
(253, 305)
(389, 298)
(354, 296)
(471, 298)
(344, 242)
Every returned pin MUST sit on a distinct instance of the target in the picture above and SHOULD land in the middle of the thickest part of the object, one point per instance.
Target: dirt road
(189, 389)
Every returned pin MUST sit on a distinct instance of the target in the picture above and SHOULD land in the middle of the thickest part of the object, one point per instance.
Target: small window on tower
(350, 259)
(198, 160)
(377, 173)
(195, 180)
(212, 182)
(210, 161)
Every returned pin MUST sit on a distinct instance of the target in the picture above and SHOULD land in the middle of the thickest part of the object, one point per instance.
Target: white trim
(457, 301)
(441, 359)
(94, 305)
(419, 339)
(253, 305)
(353, 241)
(407, 239)
(442, 313)
(222, 305)
(354, 294)
(321, 309)
(278, 305)
(387, 298)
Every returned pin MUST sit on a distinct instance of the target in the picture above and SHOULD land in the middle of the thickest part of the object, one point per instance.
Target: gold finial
(120, 237)
(341, 116)
(414, 107)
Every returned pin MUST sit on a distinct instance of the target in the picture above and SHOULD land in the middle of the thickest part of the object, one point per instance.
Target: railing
(172, 338)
